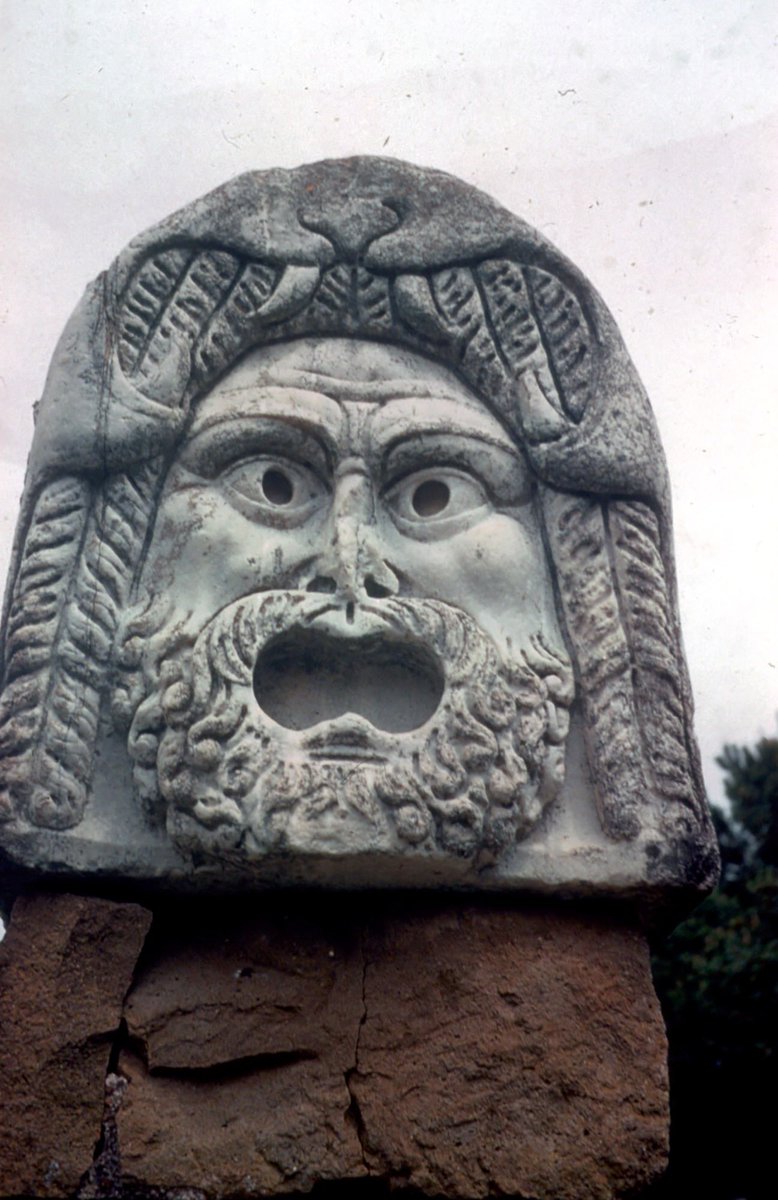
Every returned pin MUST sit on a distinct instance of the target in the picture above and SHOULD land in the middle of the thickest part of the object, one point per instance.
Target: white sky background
(641, 137)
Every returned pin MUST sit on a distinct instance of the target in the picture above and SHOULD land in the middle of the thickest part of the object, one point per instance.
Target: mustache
(254, 638)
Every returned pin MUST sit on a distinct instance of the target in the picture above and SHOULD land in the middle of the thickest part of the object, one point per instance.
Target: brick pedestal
(283, 1043)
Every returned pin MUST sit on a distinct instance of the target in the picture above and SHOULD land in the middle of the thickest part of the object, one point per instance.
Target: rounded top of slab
(405, 265)
(366, 247)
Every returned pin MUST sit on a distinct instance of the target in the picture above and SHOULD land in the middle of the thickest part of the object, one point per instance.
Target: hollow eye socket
(436, 502)
(277, 487)
(268, 487)
(431, 498)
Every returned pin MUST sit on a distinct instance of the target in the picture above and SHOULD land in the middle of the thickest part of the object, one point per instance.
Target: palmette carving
(615, 598)
(74, 579)
(658, 685)
(361, 380)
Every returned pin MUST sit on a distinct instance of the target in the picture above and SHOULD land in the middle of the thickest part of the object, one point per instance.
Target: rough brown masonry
(451, 1049)
(66, 964)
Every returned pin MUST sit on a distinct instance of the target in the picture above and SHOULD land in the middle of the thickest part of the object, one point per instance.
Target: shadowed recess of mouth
(304, 677)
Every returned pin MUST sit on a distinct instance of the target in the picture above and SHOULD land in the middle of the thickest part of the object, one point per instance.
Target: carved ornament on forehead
(350, 225)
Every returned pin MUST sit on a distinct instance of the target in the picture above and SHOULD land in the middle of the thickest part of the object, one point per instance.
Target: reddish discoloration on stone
(65, 967)
(242, 1034)
(512, 1053)
(457, 1050)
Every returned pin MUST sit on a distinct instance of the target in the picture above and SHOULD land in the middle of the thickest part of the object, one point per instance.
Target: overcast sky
(641, 137)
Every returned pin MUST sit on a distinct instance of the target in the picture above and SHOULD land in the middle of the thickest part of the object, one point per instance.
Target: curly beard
(235, 784)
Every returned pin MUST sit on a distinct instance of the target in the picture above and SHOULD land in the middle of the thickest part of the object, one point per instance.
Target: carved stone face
(357, 470)
(357, 612)
(333, 470)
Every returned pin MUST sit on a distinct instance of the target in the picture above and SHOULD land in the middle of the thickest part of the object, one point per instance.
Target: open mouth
(304, 677)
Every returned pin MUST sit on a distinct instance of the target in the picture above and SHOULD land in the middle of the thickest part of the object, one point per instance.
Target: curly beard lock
(467, 771)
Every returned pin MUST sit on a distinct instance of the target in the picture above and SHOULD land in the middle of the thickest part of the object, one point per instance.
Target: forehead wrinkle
(338, 387)
(363, 417)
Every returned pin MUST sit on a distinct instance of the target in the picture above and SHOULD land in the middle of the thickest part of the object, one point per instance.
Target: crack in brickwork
(354, 1112)
(103, 1180)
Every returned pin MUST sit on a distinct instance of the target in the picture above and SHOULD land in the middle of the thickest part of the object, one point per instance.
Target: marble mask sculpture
(344, 558)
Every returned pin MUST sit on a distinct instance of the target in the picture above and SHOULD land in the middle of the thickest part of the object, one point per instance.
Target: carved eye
(276, 487)
(430, 498)
(437, 500)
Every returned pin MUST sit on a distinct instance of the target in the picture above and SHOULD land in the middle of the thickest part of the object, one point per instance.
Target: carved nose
(352, 565)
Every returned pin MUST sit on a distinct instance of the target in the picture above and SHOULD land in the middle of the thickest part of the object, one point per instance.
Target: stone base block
(66, 964)
(443, 1048)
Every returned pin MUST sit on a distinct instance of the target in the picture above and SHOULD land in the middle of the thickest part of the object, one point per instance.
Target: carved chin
(285, 727)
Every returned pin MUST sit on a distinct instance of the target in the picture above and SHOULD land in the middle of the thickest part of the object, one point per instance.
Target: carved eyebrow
(404, 417)
(442, 428)
(249, 415)
(258, 400)
(225, 437)
(417, 441)
(411, 437)
(499, 463)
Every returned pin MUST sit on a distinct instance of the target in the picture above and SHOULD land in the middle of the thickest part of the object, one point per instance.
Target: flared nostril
(376, 590)
(372, 587)
(324, 584)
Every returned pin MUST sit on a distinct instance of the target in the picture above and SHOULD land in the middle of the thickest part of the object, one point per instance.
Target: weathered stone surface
(345, 559)
(463, 1051)
(66, 964)
(509, 1053)
(242, 1032)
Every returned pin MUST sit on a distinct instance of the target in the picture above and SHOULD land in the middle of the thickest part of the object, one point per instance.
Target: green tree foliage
(717, 979)
(751, 783)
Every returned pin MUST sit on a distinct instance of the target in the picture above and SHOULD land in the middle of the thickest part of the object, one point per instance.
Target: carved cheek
(205, 554)
(494, 562)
